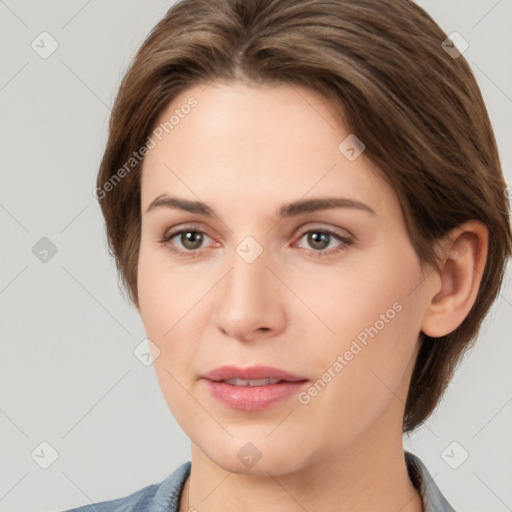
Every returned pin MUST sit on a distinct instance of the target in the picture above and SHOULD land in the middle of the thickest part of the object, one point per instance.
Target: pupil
(319, 238)
(193, 239)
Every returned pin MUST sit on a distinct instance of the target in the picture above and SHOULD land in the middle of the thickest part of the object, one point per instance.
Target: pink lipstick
(254, 388)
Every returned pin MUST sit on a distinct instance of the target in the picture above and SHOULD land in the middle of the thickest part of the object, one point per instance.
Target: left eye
(321, 240)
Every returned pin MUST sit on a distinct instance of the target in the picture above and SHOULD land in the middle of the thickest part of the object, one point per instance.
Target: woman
(306, 205)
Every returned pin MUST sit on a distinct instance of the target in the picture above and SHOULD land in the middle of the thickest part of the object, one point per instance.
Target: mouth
(254, 388)
(252, 382)
(251, 375)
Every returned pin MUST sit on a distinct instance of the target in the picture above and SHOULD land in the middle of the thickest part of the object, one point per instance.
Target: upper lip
(251, 373)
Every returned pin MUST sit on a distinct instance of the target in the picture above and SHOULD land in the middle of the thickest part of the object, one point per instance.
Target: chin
(258, 458)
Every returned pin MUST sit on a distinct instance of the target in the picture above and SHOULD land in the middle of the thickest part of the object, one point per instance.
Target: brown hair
(417, 109)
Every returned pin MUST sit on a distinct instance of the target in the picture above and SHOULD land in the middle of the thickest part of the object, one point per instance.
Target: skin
(245, 151)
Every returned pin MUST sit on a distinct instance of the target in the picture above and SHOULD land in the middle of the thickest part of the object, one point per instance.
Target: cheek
(165, 294)
(171, 302)
(164, 300)
(376, 317)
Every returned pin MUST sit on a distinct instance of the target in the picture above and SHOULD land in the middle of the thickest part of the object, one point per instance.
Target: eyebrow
(287, 210)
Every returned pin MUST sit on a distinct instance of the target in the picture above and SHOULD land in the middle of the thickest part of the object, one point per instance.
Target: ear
(453, 289)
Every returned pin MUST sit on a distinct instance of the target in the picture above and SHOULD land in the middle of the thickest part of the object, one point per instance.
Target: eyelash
(345, 242)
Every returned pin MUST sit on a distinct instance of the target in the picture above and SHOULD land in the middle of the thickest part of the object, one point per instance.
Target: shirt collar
(432, 498)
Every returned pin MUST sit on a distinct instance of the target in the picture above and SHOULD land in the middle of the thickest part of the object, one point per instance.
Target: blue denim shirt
(165, 496)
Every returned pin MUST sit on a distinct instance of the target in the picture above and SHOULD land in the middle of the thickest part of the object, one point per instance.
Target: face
(330, 295)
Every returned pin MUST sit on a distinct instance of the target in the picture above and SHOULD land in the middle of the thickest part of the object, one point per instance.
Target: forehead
(258, 142)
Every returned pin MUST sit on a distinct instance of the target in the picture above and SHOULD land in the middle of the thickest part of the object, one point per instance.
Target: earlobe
(463, 255)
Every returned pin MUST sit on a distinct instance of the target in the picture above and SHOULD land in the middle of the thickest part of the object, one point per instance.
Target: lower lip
(253, 398)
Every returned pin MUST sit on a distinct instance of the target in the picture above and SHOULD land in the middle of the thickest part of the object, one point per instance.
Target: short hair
(383, 66)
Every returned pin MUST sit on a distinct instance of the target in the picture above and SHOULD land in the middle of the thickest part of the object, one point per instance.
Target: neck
(370, 475)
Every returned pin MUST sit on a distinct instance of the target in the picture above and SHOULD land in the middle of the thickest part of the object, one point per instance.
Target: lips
(254, 388)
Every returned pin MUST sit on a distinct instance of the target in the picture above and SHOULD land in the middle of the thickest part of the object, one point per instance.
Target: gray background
(68, 375)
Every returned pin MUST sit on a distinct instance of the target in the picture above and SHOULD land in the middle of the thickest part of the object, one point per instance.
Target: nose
(251, 300)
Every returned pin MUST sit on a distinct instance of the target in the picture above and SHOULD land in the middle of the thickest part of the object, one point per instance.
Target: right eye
(190, 241)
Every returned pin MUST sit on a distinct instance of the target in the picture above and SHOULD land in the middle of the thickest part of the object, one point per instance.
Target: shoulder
(433, 499)
(158, 497)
